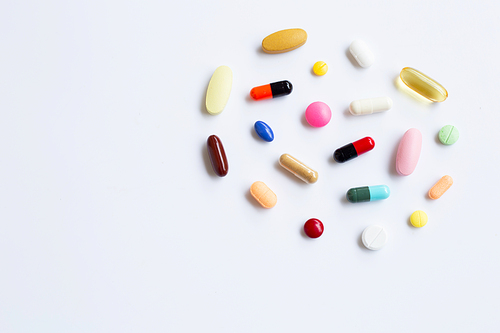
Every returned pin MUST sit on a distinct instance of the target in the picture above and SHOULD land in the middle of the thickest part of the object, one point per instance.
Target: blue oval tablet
(264, 131)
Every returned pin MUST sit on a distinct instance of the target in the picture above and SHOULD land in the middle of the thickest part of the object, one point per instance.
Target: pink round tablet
(318, 114)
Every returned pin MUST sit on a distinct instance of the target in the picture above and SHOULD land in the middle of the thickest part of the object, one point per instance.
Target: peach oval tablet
(409, 152)
(440, 187)
(263, 194)
(219, 89)
(284, 41)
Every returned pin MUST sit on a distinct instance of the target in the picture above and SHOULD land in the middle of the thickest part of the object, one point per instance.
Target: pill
(263, 194)
(409, 152)
(318, 114)
(423, 85)
(370, 105)
(440, 187)
(263, 131)
(219, 89)
(313, 228)
(448, 135)
(217, 155)
(299, 169)
(272, 90)
(374, 237)
(418, 219)
(354, 149)
(368, 193)
(362, 53)
(320, 68)
(284, 41)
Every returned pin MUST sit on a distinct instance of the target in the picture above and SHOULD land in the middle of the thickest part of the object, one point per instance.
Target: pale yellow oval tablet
(284, 41)
(219, 90)
(263, 194)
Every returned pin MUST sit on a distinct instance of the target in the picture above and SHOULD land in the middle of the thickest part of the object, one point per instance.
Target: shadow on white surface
(303, 234)
(392, 161)
(203, 105)
(352, 60)
(304, 122)
(361, 245)
(344, 201)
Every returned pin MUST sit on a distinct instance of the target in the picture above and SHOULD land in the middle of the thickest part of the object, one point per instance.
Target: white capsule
(362, 53)
(370, 105)
(374, 237)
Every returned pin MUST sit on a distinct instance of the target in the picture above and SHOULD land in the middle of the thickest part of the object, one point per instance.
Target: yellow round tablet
(418, 219)
(320, 68)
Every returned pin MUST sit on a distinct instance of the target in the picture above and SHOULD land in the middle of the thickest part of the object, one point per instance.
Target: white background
(112, 220)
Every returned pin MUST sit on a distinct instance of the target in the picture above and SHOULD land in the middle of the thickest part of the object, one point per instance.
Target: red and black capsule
(352, 150)
(272, 90)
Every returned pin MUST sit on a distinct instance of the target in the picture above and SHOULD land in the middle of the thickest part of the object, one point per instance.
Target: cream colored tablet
(219, 90)
(284, 41)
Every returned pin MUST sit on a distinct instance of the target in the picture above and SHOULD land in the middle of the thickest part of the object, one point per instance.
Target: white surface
(112, 221)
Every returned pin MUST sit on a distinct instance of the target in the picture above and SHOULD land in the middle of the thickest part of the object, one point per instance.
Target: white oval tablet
(362, 53)
(374, 237)
(219, 89)
(370, 105)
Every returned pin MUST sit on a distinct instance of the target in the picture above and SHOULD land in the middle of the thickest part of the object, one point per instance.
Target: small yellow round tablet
(320, 68)
(418, 219)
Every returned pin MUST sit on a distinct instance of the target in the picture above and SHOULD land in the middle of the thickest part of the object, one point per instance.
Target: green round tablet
(448, 135)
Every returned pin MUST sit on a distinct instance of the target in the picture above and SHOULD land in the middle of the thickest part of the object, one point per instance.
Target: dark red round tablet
(313, 228)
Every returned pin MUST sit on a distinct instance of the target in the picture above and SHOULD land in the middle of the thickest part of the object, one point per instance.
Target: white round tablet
(374, 237)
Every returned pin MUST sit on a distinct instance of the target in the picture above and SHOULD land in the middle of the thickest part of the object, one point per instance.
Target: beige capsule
(299, 169)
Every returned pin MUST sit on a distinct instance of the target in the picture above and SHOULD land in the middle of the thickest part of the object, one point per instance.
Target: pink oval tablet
(318, 114)
(409, 152)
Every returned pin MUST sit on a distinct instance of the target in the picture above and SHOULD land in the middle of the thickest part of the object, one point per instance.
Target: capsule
(370, 105)
(272, 90)
(368, 193)
(440, 187)
(299, 169)
(423, 85)
(217, 155)
(352, 150)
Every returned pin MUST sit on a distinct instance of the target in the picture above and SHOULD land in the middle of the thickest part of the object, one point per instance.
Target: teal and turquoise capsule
(368, 193)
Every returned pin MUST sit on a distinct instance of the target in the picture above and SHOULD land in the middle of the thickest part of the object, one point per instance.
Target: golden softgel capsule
(299, 169)
(423, 85)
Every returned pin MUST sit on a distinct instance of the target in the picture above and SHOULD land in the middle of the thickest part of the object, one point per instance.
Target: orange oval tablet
(284, 41)
(440, 187)
(263, 194)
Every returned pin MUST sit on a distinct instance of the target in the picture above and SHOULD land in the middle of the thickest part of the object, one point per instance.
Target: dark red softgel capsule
(313, 228)
(217, 155)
